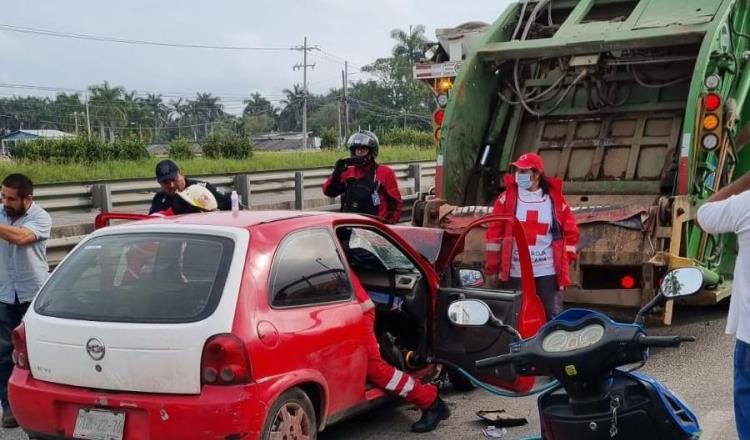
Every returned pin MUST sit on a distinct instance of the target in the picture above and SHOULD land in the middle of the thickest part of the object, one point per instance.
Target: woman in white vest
(537, 201)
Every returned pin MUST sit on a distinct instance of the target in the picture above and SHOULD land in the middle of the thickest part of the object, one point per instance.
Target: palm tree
(138, 114)
(257, 104)
(409, 45)
(290, 117)
(179, 110)
(71, 111)
(108, 108)
(159, 111)
(207, 109)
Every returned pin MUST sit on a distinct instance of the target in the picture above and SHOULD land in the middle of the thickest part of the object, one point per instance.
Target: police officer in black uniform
(172, 180)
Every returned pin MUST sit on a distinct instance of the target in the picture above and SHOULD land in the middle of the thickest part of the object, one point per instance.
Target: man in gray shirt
(24, 231)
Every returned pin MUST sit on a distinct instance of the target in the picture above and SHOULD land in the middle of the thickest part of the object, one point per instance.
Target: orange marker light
(710, 122)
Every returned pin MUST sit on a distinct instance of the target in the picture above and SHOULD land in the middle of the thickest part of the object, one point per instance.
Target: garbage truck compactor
(639, 106)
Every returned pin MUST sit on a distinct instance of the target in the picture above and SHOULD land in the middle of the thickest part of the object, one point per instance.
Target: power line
(107, 39)
(57, 89)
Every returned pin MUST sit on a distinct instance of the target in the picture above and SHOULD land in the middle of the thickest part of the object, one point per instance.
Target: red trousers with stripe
(384, 375)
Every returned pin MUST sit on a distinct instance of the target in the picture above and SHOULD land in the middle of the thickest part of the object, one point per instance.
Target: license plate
(96, 424)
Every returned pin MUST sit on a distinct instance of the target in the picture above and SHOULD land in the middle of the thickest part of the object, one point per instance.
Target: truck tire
(292, 403)
(459, 381)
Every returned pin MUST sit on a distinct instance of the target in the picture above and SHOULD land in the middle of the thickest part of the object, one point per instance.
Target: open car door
(463, 277)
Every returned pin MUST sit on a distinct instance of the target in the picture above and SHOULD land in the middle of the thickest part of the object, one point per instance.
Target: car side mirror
(681, 282)
(469, 312)
(471, 278)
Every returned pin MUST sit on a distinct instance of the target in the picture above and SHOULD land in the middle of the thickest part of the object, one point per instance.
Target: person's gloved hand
(341, 165)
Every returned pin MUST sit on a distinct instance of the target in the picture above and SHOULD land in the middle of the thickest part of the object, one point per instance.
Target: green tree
(159, 112)
(290, 117)
(71, 112)
(258, 105)
(206, 109)
(409, 45)
(258, 124)
(179, 149)
(329, 138)
(179, 111)
(108, 109)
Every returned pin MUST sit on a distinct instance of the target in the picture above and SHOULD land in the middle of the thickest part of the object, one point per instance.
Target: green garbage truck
(639, 106)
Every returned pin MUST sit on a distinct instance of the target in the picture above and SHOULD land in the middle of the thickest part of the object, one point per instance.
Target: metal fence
(79, 202)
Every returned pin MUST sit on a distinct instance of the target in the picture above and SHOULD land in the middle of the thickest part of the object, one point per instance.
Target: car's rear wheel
(292, 417)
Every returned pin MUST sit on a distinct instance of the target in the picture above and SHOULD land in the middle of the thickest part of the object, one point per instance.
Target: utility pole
(88, 118)
(339, 143)
(346, 100)
(75, 115)
(304, 48)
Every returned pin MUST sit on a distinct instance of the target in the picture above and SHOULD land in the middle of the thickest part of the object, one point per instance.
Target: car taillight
(225, 361)
(627, 282)
(20, 354)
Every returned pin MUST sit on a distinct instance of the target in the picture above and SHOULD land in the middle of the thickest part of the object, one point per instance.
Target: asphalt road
(701, 373)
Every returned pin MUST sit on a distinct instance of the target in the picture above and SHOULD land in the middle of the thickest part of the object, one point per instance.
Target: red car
(243, 325)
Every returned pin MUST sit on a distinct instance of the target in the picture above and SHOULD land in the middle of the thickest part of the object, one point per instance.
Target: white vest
(534, 211)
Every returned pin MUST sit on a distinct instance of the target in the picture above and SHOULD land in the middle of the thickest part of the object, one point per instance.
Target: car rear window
(139, 278)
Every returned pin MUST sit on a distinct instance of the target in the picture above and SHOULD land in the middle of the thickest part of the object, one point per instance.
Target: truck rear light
(710, 141)
(438, 117)
(710, 122)
(225, 361)
(627, 282)
(20, 353)
(712, 102)
(609, 277)
(712, 82)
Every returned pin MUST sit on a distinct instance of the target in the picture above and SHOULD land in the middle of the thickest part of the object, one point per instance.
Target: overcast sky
(354, 30)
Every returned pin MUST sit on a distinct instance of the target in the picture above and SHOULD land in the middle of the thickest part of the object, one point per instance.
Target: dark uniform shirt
(162, 201)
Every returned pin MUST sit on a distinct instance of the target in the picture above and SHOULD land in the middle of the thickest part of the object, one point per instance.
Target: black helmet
(366, 139)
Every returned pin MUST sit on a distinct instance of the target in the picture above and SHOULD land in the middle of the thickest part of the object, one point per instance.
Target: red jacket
(498, 257)
(390, 196)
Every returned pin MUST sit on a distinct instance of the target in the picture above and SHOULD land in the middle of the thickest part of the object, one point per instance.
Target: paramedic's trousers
(383, 375)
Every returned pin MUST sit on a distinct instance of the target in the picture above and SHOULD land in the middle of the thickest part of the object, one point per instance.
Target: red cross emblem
(533, 228)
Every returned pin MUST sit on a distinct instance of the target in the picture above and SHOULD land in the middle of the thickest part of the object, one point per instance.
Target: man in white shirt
(729, 211)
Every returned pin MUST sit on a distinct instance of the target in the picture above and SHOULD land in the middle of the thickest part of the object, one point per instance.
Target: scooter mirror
(684, 281)
(469, 312)
(471, 278)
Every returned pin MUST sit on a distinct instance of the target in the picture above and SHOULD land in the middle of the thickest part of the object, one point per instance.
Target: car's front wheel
(292, 417)
(459, 381)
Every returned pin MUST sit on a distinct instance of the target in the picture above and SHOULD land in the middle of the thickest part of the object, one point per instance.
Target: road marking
(715, 423)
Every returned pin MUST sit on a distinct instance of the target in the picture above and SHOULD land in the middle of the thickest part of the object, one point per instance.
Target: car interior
(398, 289)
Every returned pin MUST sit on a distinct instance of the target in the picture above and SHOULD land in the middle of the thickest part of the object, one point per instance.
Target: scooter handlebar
(495, 360)
(664, 341)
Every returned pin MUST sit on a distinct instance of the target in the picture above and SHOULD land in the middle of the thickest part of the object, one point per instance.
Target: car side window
(308, 270)
(389, 257)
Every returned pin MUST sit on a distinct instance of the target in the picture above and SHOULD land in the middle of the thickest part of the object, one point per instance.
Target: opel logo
(95, 349)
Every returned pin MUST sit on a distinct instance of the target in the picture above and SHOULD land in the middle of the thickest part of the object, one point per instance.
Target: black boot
(8, 420)
(432, 416)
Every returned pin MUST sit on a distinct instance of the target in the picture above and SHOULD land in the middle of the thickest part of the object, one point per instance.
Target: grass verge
(41, 172)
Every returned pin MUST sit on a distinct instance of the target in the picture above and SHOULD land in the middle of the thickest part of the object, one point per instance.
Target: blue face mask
(523, 180)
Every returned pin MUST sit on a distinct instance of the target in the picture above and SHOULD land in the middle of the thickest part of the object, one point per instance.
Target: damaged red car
(243, 325)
